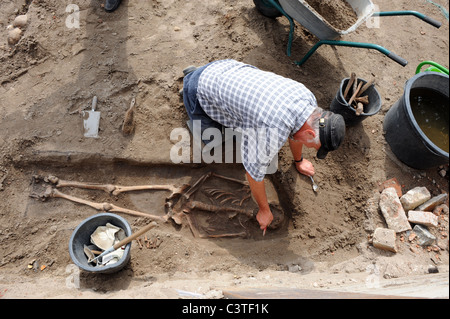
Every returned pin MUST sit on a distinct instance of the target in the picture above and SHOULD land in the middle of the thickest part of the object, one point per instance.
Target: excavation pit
(211, 202)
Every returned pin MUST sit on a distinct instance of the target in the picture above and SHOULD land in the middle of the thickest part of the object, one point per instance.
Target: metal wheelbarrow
(303, 13)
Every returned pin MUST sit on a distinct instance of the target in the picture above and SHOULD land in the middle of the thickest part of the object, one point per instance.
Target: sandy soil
(139, 52)
(339, 13)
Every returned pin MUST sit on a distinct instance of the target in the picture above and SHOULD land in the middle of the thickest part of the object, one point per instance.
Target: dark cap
(332, 133)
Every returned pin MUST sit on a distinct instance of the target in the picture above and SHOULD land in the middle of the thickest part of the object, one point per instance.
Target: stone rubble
(431, 204)
(411, 218)
(385, 239)
(425, 238)
(415, 197)
(393, 211)
(423, 218)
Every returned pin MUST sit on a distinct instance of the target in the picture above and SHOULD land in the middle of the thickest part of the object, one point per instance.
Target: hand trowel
(91, 120)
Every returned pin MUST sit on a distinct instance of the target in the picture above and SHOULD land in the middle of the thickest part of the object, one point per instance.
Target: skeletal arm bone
(196, 185)
(245, 183)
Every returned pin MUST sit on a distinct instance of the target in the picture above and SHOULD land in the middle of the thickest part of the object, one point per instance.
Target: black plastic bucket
(402, 132)
(82, 236)
(340, 106)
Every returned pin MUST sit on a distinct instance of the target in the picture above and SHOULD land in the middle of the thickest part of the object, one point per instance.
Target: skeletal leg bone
(108, 188)
(117, 189)
(175, 190)
(54, 193)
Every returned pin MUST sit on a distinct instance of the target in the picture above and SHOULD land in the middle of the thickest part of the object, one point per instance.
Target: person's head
(324, 131)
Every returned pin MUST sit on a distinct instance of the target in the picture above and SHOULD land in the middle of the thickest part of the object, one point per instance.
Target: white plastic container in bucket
(406, 138)
(82, 236)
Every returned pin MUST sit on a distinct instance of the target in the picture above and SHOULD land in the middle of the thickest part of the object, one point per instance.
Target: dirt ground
(139, 52)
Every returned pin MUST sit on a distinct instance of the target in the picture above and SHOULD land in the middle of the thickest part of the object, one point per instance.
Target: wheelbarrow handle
(383, 50)
(433, 22)
(397, 59)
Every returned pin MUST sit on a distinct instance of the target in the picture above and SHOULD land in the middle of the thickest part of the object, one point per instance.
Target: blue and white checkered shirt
(266, 108)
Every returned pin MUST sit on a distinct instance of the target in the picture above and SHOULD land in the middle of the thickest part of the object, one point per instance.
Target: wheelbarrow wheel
(266, 9)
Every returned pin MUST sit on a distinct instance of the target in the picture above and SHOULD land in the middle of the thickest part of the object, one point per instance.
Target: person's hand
(264, 218)
(305, 167)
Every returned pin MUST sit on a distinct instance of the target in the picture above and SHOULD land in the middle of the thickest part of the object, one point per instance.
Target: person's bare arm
(305, 167)
(264, 216)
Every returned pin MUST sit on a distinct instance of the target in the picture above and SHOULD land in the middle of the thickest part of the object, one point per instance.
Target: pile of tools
(358, 88)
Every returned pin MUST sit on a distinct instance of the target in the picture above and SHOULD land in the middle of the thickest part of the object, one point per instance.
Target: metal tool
(314, 185)
(91, 120)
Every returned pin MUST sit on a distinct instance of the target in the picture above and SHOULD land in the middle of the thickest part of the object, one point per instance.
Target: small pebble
(20, 21)
(14, 36)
